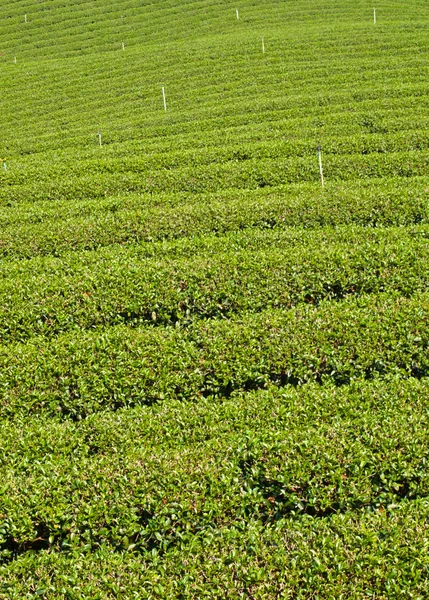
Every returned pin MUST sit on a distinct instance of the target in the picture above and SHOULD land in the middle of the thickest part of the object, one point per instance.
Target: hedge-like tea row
(199, 396)
(100, 289)
(81, 373)
(250, 174)
(272, 149)
(310, 464)
(73, 27)
(51, 228)
(381, 552)
(378, 125)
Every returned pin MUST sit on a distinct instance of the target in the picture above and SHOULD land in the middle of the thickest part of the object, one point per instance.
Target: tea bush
(213, 371)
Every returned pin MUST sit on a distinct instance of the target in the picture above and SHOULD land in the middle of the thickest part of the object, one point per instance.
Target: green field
(214, 373)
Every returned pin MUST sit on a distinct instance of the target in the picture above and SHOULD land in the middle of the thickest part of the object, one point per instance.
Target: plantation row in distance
(213, 370)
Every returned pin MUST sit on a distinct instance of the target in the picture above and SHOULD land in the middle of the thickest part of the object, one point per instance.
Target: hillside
(213, 370)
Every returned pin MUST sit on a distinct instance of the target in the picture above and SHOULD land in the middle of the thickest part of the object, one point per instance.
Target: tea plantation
(214, 372)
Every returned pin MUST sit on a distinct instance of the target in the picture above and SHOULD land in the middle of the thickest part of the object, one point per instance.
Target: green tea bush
(101, 289)
(213, 370)
(54, 228)
(357, 338)
(335, 475)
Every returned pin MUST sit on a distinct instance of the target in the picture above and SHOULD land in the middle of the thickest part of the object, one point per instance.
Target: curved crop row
(54, 228)
(111, 482)
(100, 289)
(357, 338)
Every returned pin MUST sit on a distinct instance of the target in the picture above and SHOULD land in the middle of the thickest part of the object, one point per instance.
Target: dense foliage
(214, 374)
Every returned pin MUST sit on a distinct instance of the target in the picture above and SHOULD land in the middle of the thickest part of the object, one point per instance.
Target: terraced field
(213, 371)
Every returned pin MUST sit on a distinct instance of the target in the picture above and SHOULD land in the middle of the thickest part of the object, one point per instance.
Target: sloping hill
(213, 371)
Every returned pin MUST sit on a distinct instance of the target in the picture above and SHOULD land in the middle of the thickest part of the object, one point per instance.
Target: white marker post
(99, 138)
(236, 12)
(263, 46)
(25, 18)
(319, 151)
(14, 59)
(123, 46)
(375, 16)
(163, 97)
(4, 164)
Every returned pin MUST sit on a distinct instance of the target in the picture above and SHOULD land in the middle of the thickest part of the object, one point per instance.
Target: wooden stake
(319, 151)
(263, 46)
(163, 97)
(4, 164)
(236, 12)
(99, 138)
(25, 18)
(375, 16)
(123, 46)
(14, 59)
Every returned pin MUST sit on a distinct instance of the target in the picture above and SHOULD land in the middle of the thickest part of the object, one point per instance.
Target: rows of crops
(213, 371)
